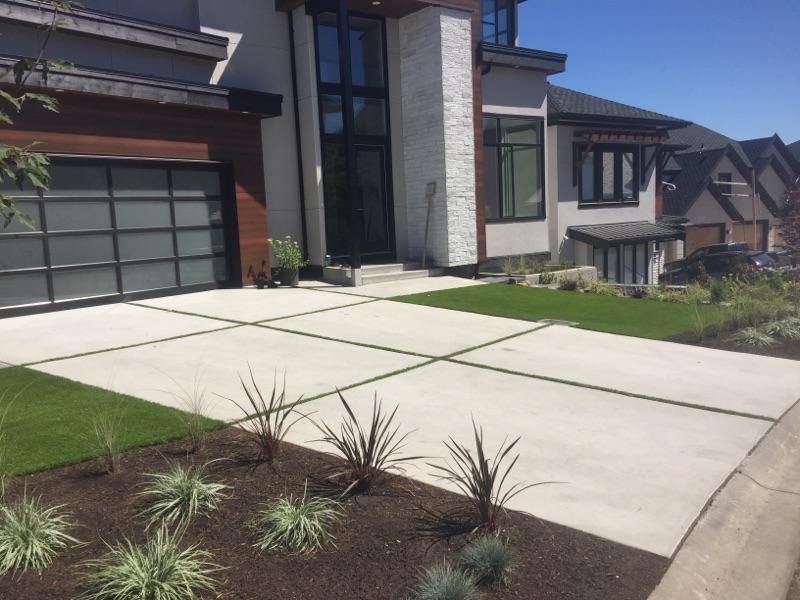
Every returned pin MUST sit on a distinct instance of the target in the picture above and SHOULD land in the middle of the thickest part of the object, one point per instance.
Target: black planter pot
(289, 277)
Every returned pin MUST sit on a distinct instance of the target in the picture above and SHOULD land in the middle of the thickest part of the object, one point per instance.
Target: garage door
(743, 232)
(111, 230)
(703, 235)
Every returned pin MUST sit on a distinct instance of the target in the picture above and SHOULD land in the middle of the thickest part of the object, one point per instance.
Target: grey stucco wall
(438, 134)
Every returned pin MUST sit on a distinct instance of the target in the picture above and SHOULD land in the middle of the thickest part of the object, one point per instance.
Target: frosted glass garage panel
(198, 213)
(202, 241)
(149, 276)
(142, 213)
(84, 283)
(195, 183)
(203, 270)
(81, 249)
(31, 211)
(23, 288)
(69, 216)
(138, 246)
(139, 181)
(79, 181)
(21, 254)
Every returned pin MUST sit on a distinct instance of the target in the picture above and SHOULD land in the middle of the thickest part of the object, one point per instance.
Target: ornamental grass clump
(753, 336)
(271, 418)
(297, 525)
(443, 582)
(105, 440)
(194, 413)
(487, 560)
(174, 498)
(370, 452)
(788, 328)
(483, 481)
(32, 535)
(159, 569)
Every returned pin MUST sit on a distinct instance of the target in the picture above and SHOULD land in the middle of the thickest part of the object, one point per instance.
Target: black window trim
(497, 145)
(648, 256)
(597, 156)
(511, 30)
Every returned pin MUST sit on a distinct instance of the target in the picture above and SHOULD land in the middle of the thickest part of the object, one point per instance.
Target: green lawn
(48, 423)
(627, 316)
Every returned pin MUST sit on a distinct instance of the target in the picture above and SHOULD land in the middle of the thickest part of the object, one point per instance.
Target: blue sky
(731, 65)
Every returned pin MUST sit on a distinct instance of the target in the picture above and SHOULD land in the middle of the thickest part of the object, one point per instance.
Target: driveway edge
(747, 544)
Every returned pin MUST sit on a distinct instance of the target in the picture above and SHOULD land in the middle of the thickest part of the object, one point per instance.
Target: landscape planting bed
(376, 556)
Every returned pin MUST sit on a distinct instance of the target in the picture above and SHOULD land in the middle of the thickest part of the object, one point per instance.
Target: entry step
(378, 273)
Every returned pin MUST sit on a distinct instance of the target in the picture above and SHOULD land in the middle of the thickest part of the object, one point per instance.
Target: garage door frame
(229, 226)
(721, 227)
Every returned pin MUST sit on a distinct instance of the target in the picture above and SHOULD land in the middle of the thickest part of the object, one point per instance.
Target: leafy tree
(789, 225)
(22, 165)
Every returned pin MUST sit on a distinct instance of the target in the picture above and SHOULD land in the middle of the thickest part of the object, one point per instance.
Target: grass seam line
(600, 388)
(136, 345)
(312, 312)
(187, 313)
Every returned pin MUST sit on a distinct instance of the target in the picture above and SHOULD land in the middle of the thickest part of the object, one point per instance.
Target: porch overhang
(633, 232)
(394, 9)
(527, 59)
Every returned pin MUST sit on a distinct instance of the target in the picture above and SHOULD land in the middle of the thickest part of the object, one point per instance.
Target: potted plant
(286, 253)
(260, 278)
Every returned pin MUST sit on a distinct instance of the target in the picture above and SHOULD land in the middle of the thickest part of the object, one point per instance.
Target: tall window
(609, 174)
(497, 22)
(513, 167)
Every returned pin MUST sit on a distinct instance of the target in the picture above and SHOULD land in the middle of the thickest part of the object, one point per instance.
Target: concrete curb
(747, 544)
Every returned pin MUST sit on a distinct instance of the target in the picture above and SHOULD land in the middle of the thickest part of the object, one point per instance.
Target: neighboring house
(606, 160)
(794, 148)
(711, 189)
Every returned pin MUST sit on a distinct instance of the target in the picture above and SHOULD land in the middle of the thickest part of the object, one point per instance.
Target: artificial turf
(49, 419)
(627, 316)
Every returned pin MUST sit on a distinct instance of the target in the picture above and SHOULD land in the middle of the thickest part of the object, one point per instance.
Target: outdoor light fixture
(376, 2)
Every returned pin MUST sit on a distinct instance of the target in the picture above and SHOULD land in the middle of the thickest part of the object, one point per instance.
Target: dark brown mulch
(780, 349)
(375, 556)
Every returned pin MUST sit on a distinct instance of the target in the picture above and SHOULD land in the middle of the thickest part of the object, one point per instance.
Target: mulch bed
(780, 349)
(376, 554)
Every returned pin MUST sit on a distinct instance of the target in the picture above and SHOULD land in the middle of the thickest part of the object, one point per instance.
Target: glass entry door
(376, 229)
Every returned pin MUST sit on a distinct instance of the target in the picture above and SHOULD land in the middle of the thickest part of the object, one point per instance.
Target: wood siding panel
(112, 127)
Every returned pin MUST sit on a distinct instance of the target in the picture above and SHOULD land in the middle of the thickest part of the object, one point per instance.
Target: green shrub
(369, 452)
(546, 278)
(603, 288)
(487, 560)
(177, 496)
(442, 582)
(752, 336)
(31, 535)
(157, 570)
(508, 266)
(299, 525)
(568, 285)
(286, 253)
(522, 265)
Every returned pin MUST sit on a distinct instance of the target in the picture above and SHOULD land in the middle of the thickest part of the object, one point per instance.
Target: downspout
(299, 143)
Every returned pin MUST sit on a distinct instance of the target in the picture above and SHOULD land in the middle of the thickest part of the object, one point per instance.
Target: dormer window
(498, 22)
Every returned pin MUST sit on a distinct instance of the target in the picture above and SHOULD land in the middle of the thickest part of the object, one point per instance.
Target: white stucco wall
(517, 93)
(438, 133)
(774, 185)
(563, 198)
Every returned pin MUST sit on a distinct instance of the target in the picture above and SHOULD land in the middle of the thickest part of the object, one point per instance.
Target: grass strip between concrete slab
(313, 312)
(136, 345)
(599, 388)
(187, 313)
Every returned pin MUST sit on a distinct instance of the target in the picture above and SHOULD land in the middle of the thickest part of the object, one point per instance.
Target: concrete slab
(746, 546)
(390, 289)
(636, 472)
(408, 327)
(155, 372)
(66, 333)
(250, 305)
(728, 380)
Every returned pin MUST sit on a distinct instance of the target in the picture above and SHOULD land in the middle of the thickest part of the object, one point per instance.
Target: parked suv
(717, 261)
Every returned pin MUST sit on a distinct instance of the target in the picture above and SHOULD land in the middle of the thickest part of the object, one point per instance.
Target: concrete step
(368, 278)
(388, 268)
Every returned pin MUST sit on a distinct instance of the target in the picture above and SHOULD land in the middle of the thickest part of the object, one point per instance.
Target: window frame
(511, 29)
(619, 261)
(496, 153)
(619, 199)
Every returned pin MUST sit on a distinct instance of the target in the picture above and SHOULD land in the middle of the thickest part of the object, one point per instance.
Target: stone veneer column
(438, 133)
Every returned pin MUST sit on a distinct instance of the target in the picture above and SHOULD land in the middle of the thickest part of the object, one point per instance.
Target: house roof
(615, 233)
(757, 152)
(755, 148)
(570, 106)
(698, 138)
(794, 148)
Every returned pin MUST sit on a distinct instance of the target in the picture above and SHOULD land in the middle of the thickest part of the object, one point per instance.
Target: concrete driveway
(641, 433)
